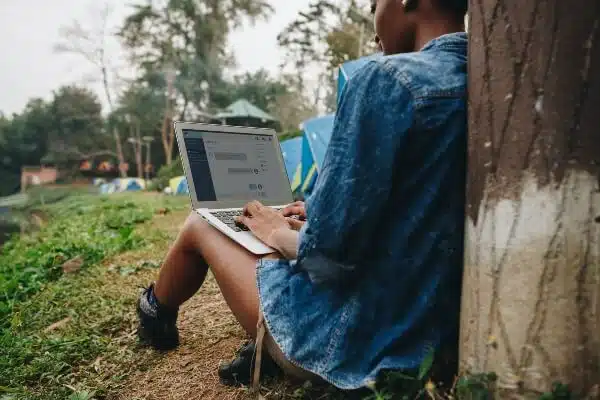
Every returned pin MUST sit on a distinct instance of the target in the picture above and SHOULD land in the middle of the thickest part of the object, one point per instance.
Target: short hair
(458, 8)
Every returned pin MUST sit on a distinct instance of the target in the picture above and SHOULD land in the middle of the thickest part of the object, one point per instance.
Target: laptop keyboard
(228, 218)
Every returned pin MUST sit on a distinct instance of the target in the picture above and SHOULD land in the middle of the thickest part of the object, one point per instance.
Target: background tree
(90, 43)
(140, 112)
(531, 301)
(23, 142)
(75, 129)
(259, 88)
(189, 37)
(323, 37)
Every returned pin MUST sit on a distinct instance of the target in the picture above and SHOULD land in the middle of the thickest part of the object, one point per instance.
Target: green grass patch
(81, 229)
(62, 331)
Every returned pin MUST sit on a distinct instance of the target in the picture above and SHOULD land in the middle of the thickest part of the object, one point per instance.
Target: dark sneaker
(239, 372)
(157, 324)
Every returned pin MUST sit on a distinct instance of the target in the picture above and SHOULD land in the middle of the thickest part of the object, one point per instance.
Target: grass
(57, 327)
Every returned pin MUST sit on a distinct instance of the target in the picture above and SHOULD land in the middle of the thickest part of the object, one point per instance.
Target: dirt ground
(209, 335)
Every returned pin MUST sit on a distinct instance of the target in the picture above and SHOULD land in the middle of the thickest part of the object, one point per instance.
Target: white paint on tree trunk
(532, 280)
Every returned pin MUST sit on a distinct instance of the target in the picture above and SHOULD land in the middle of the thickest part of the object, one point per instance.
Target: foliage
(76, 129)
(290, 135)
(88, 232)
(258, 88)
(190, 36)
(72, 329)
(23, 141)
(166, 172)
(324, 36)
(65, 129)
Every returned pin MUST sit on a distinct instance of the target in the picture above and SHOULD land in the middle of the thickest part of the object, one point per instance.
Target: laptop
(226, 167)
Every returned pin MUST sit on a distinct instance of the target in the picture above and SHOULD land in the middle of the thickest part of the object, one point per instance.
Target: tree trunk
(167, 133)
(137, 147)
(531, 297)
(119, 148)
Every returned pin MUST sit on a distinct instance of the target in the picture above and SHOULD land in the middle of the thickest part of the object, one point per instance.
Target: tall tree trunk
(167, 134)
(107, 92)
(531, 297)
(119, 148)
(137, 146)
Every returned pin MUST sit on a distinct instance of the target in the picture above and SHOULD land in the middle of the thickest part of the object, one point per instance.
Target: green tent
(244, 113)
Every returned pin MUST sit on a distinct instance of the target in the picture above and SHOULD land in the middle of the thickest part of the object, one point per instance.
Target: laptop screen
(235, 166)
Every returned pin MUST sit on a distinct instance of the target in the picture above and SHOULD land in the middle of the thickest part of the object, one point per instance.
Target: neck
(430, 30)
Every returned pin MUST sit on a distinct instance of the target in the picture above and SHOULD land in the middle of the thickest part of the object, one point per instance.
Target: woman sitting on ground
(372, 279)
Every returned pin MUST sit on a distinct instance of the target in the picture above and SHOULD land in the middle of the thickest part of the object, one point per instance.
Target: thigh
(291, 370)
(233, 267)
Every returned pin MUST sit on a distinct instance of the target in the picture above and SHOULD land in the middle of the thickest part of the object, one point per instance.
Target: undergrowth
(90, 232)
(57, 326)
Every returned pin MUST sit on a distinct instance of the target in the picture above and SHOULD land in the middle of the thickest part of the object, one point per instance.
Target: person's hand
(297, 210)
(263, 221)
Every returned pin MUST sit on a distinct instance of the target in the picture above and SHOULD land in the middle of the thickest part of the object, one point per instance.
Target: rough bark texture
(531, 297)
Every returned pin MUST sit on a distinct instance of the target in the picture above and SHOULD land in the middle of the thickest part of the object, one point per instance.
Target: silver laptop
(226, 167)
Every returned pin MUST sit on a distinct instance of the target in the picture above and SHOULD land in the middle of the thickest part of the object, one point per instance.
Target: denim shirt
(377, 282)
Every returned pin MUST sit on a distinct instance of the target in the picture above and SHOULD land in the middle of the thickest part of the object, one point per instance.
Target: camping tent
(349, 68)
(129, 184)
(108, 188)
(318, 133)
(307, 169)
(178, 185)
(292, 155)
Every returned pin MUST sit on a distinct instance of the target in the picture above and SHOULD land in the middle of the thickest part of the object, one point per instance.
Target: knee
(193, 225)
(193, 220)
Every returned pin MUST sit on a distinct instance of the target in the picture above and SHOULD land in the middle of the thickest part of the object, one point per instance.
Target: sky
(30, 29)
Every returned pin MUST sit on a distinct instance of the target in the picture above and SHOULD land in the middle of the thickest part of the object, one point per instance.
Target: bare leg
(184, 270)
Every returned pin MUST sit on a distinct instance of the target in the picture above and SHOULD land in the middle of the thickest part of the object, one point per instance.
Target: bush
(166, 173)
(289, 135)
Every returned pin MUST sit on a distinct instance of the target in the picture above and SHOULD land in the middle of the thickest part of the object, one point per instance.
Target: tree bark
(137, 146)
(531, 294)
(167, 134)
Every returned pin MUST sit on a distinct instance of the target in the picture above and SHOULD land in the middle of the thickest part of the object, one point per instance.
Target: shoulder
(424, 73)
(429, 74)
(373, 88)
(373, 97)
(432, 84)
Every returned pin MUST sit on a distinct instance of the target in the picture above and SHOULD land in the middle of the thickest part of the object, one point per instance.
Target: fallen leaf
(97, 364)
(57, 325)
(73, 265)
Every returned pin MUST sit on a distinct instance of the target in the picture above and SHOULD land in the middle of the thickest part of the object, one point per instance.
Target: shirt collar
(453, 41)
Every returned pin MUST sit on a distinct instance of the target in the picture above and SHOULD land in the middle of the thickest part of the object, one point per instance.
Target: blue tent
(107, 188)
(318, 133)
(133, 186)
(306, 169)
(349, 68)
(179, 185)
(292, 155)
(307, 159)
(183, 188)
(128, 184)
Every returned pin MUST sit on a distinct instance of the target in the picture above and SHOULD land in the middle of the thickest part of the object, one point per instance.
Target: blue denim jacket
(377, 282)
